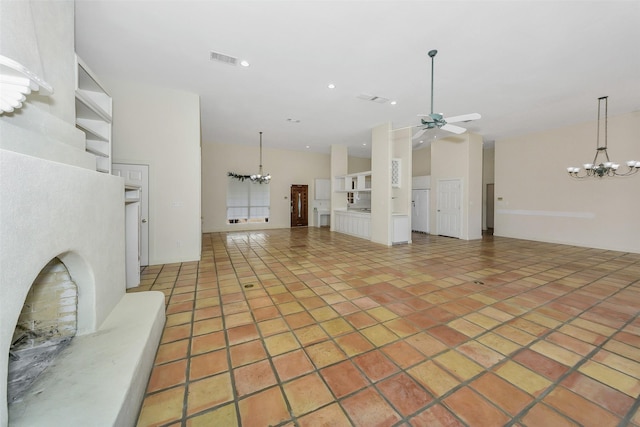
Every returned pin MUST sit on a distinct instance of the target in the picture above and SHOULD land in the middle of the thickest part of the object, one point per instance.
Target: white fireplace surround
(51, 209)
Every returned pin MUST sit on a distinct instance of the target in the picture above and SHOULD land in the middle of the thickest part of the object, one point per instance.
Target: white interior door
(138, 175)
(449, 203)
(420, 210)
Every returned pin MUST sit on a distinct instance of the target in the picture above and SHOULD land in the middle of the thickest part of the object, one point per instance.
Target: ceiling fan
(437, 120)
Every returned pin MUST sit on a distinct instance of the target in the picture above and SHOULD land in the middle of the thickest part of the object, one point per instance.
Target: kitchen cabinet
(401, 229)
(356, 224)
(360, 181)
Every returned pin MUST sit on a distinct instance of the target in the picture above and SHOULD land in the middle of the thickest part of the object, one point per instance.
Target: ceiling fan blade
(463, 118)
(453, 129)
(419, 133)
(426, 117)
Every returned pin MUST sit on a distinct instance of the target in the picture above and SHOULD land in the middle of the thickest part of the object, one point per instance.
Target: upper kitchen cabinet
(360, 181)
(94, 115)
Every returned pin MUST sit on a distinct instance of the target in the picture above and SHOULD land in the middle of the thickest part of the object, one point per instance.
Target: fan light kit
(259, 177)
(437, 120)
(16, 82)
(606, 167)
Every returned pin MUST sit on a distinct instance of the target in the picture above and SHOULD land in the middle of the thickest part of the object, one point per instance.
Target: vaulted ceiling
(523, 65)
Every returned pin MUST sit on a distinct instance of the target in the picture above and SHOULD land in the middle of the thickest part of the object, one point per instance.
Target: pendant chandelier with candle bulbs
(260, 178)
(604, 166)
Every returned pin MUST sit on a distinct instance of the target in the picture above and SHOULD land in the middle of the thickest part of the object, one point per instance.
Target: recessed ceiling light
(364, 143)
(308, 146)
(331, 86)
(244, 63)
(421, 142)
(394, 102)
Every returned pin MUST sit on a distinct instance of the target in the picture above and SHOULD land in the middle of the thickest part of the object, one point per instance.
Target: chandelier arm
(595, 159)
(632, 170)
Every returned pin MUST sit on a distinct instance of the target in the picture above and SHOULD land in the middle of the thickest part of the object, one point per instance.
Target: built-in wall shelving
(360, 181)
(94, 115)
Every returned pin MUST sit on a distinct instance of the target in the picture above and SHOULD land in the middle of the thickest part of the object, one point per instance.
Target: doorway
(448, 211)
(138, 175)
(420, 210)
(490, 201)
(299, 205)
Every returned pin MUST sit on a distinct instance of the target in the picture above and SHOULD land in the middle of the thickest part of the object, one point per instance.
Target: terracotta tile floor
(305, 327)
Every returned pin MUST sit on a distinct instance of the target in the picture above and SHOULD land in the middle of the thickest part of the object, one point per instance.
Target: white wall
(473, 193)
(421, 161)
(381, 153)
(339, 166)
(401, 196)
(45, 48)
(459, 157)
(541, 202)
(358, 164)
(287, 168)
(160, 127)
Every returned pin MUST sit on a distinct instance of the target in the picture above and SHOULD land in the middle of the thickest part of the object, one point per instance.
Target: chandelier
(605, 167)
(259, 177)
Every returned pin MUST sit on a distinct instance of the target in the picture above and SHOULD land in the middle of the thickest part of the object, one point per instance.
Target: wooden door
(449, 207)
(299, 205)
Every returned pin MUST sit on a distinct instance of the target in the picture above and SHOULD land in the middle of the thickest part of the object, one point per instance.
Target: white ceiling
(523, 65)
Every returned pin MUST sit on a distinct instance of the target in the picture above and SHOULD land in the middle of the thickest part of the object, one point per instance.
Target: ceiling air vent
(221, 57)
(372, 98)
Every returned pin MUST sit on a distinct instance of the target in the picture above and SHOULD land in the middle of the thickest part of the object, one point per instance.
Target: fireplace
(52, 216)
(45, 327)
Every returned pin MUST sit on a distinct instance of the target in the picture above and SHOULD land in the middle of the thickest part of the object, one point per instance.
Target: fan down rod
(432, 54)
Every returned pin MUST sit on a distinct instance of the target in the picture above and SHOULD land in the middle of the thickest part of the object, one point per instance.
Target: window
(247, 201)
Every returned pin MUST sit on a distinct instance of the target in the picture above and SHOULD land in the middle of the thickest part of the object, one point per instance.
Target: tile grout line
(262, 339)
(461, 385)
(188, 355)
(250, 254)
(575, 368)
(371, 384)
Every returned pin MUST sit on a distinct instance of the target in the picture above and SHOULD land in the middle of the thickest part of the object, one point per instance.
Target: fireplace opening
(46, 325)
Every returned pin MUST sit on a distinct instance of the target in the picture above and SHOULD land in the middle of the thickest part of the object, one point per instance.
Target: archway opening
(46, 326)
